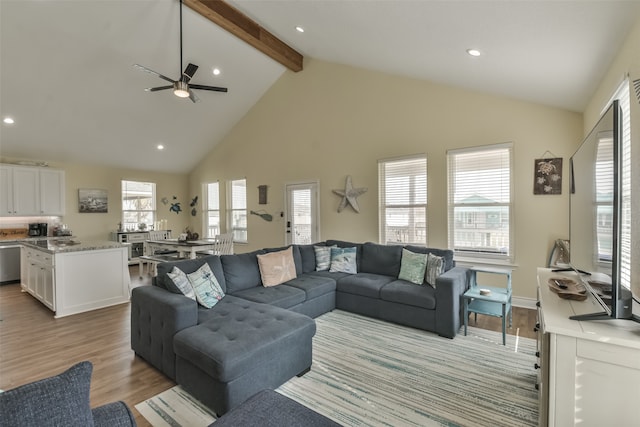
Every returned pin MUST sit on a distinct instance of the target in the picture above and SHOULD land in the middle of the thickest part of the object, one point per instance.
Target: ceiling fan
(181, 87)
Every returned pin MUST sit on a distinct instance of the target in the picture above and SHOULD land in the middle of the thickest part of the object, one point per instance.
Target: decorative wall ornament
(262, 194)
(262, 214)
(193, 204)
(175, 206)
(547, 176)
(350, 195)
(92, 200)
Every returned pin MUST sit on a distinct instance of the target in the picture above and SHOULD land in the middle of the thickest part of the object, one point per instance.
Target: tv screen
(596, 228)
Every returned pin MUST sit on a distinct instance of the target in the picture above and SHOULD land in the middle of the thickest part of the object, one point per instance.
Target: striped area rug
(368, 372)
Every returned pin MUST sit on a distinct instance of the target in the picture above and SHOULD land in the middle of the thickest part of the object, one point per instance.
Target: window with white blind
(402, 189)
(138, 204)
(480, 202)
(212, 214)
(237, 210)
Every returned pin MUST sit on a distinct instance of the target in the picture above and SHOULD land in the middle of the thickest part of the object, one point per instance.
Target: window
(403, 200)
(138, 204)
(212, 214)
(237, 211)
(480, 211)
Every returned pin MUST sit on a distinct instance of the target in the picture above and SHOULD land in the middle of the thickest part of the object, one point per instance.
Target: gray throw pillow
(62, 400)
(435, 267)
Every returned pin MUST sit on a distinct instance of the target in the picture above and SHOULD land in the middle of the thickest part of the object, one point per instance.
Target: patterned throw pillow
(206, 287)
(181, 281)
(343, 260)
(323, 257)
(435, 267)
(277, 267)
(413, 267)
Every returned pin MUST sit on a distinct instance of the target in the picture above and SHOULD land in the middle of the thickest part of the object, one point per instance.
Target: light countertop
(55, 246)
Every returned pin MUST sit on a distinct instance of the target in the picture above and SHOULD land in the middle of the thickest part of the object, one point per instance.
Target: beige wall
(627, 62)
(330, 121)
(97, 226)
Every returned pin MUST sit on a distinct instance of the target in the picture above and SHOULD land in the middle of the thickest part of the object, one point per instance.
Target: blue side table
(496, 303)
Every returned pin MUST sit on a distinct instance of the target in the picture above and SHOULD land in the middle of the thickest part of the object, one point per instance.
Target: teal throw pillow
(435, 267)
(343, 260)
(181, 281)
(206, 287)
(413, 267)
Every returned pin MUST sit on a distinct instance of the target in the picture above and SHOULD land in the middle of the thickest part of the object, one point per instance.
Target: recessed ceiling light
(8, 120)
(160, 147)
(216, 71)
(299, 29)
(473, 52)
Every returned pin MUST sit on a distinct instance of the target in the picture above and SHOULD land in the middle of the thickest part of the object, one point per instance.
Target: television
(597, 228)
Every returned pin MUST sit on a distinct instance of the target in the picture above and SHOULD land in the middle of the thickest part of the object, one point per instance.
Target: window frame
(140, 212)
(208, 209)
(384, 206)
(231, 209)
(486, 253)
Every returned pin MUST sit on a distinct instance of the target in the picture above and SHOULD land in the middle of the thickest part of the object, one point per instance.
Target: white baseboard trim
(524, 302)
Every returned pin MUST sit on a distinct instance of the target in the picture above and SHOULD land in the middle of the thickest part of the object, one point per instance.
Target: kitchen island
(69, 276)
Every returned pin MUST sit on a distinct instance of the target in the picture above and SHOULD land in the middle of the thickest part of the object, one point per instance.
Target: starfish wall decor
(350, 195)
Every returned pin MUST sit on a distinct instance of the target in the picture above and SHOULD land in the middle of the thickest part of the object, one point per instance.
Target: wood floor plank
(34, 345)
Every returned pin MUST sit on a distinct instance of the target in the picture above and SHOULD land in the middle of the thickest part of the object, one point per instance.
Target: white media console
(589, 370)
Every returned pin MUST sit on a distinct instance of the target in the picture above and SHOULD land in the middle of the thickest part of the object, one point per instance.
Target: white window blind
(480, 201)
(403, 200)
(237, 212)
(138, 204)
(212, 216)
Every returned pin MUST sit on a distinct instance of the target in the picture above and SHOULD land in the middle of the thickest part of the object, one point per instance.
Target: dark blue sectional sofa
(259, 337)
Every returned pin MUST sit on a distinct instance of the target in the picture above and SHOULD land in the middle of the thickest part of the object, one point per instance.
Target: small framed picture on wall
(547, 176)
(92, 200)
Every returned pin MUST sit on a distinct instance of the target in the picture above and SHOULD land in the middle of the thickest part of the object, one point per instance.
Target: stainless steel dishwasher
(9, 262)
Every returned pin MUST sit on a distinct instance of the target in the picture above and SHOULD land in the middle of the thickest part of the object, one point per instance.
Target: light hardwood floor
(34, 345)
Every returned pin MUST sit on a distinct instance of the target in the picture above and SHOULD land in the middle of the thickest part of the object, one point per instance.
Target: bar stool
(488, 300)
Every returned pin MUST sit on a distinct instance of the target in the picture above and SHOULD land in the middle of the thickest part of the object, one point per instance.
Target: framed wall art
(92, 200)
(547, 176)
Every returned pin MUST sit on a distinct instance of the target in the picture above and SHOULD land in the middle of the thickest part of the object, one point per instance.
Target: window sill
(484, 262)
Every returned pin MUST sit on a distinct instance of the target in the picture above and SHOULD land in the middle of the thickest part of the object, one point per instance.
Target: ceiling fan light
(181, 89)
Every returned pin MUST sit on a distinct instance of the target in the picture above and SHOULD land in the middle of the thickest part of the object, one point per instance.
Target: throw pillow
(343, 260)
(323, 257)
(413, 267)
(435, 267)
(62, 400)
(277, 267)
(205, 286)
(181, 281)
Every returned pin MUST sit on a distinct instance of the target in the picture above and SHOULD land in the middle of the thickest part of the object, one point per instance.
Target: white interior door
(302, 201)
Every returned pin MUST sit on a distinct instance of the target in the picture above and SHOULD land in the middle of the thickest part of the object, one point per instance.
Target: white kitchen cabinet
(52, 192)
(39, 275)
(590, 370)
(31, 191)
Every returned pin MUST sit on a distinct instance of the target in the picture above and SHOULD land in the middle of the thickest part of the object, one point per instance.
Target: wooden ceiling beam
(240, 25)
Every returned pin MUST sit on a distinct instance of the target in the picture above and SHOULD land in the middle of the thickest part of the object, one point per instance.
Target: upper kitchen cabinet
(31, 191)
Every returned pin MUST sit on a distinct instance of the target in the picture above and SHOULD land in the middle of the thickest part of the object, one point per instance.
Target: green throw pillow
(413, 267)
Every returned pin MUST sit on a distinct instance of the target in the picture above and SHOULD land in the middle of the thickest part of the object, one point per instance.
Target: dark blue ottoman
(241, 349)
(271, 409)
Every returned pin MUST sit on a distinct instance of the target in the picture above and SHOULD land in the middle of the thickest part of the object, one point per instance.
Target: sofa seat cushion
(364, 284)
(407, 293)
(240, 335)
(281, 296)
(329, 275)
(313, 285)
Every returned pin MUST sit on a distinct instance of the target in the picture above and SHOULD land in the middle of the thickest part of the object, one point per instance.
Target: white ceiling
(66, 72)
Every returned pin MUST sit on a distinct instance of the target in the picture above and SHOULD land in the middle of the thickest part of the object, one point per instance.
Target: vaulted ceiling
(66, 73)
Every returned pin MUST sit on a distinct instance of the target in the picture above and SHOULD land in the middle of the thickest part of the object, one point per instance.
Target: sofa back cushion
(241, 271)
(307, 258)
(189, 266)
(447, 254)
(381, 259)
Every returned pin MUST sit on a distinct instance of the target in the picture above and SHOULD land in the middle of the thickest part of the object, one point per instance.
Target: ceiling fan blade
(189, 72)
(155, 89)
(213, 88)
(193, 97)
(147, 70)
